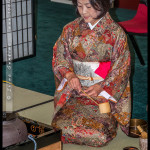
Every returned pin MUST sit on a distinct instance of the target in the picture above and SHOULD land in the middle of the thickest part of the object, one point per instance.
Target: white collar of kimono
(92, 26)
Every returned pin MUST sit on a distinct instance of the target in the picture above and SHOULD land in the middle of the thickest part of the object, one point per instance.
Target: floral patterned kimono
(82, 50)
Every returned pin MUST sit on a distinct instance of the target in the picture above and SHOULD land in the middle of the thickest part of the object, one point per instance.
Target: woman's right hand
(73, 81)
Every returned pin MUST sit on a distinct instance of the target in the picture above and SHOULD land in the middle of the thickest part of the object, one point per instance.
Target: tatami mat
(23, 98)
(44, 113)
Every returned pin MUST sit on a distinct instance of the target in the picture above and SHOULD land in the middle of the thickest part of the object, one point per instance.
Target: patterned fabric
(79, 117)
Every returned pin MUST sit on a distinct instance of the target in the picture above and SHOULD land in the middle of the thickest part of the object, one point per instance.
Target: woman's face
(87, 11)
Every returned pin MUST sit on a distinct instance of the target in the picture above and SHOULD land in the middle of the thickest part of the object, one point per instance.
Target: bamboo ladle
(103, 107)
(143, 133)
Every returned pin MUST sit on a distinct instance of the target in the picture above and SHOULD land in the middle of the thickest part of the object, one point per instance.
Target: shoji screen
(19, 28)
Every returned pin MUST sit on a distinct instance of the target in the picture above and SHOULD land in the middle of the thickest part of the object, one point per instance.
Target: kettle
(14, 131)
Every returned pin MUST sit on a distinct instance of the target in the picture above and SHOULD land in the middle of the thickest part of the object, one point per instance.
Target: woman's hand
(73, 81)
(93, 90)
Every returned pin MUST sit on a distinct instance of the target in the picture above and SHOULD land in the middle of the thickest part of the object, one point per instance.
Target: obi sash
(89, 73)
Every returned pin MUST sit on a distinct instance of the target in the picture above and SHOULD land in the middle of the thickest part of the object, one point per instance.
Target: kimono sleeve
(61, 62)
(116, 81)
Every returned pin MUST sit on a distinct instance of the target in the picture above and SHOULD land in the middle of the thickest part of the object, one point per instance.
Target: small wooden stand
(55, 146)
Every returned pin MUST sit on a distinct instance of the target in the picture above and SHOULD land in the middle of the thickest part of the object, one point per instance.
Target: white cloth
(92, 26)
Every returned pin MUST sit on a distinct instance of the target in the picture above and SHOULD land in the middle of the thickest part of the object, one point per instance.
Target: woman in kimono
(91, 56)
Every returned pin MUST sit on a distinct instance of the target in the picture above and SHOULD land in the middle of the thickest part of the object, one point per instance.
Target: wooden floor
(55, 146)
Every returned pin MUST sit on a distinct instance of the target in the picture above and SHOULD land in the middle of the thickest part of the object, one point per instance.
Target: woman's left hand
(93, 90)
